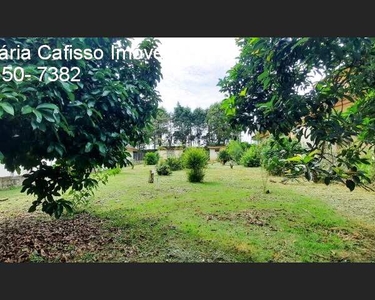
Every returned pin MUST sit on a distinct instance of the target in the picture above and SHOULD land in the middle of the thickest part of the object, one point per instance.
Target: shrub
(224, 156)
(251, 158)
(151, 158)
(274, 153)
(114, 171)
(235, 151)
(245, 145)
(195, 175)
(175, 163)
(195, 159)
(163, 169)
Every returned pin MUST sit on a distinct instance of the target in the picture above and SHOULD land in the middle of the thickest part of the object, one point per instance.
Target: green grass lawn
(228, 218)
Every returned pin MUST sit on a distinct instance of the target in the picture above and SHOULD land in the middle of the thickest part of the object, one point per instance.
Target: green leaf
(297, 158)
(59, 150)
(71, 96)
(50, 148)
(68, 206)
(48, 116)
(243, 92)
(48, 106)
(38, 115)
(105, 93)
(350, 184)
(26, 109)
(356, 179)
(1, 156)
(58, 210)
(68, 87)
(7, 108)
(266, 82)
(88, 147)
(32, 208)
(102, 148)
(263, 75)
(34, 125)
(300, 42)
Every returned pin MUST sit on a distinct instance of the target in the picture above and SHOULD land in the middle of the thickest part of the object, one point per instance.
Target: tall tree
(199, 124)
(81, 125)
(219, 130)
(275, 87)
(183, 124)
(160, 126)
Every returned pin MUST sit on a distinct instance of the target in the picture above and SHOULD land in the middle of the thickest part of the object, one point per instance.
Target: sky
(191, 69)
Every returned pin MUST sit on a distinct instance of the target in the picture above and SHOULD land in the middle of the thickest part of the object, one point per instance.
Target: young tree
(275, 87)
(81, 125)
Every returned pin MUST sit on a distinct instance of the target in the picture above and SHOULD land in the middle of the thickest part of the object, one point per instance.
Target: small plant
(251, 157)
(195, 175)
(35, 257)
(195, 159)
(275, 152)
(175, 163)
(114, 171)
(151, 158)
(223, 156)
(163, 169)
(81, 197)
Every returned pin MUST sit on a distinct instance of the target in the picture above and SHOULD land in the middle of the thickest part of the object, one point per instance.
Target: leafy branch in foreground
(76, 126)
(299, 86)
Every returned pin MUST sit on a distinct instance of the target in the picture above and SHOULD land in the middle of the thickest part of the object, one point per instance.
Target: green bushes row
(242, 153)
(165, 167)
(271, 154)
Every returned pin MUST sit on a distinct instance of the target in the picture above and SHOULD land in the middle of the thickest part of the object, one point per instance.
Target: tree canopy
(159, 126)
(220, 130)
(78, 125)
(292, 85)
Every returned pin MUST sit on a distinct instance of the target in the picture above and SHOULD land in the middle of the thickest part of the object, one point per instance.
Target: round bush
(251, 157)
(195, 159)
(195, 175)
(175, 163)
(151, 158)
(163, 170)
(223, 156)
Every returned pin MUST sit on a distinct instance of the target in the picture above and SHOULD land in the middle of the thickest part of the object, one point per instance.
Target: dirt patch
(250, 217)
(27, 238)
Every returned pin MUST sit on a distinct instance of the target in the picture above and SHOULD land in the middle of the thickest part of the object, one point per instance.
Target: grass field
(228, 218)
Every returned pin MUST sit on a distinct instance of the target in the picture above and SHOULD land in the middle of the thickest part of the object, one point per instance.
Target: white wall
(170, 153)
(213, 154)
(5, 173)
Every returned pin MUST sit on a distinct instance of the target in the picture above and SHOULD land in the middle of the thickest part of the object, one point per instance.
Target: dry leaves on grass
(63, 240)
(253, 217)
